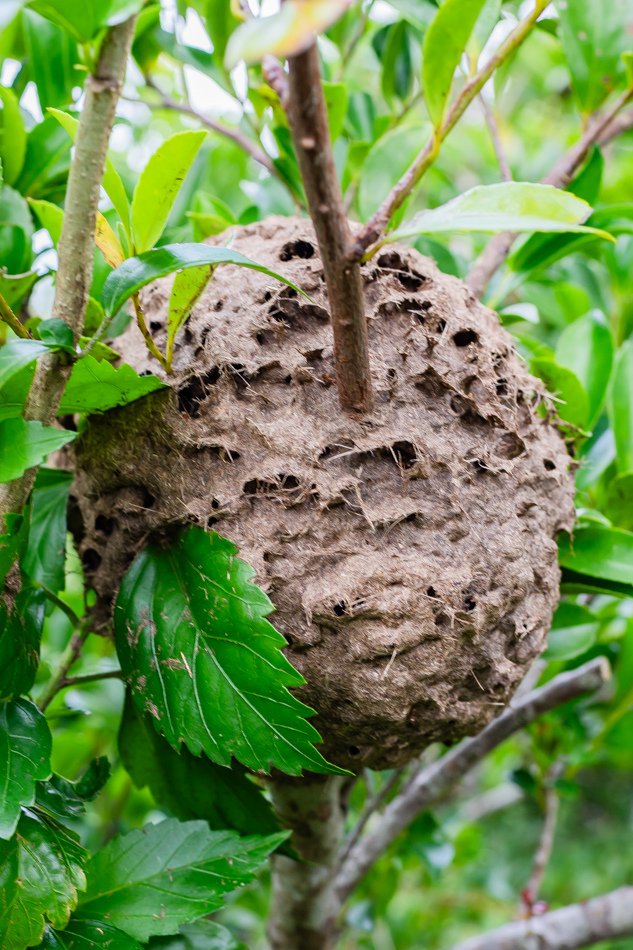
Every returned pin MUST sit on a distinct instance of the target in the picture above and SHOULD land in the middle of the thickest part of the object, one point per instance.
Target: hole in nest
(302, 249)
(510, 446)
(431, 592)
(408, 278)
(268, 296)
(469, 602)
(195, 391)
(501, 386)
(91, 559)
(261, 486)
(147, 499)
(155, 326)
(465, 337)
(187, 335)
(430, 383)
(479, 466)
(549, 465)
(354, 750)
(440, 326)
(219, 304)
(215, 504)
(340, 609)
(441, 619)
(222, 454)
(104, 524)
(211, 522)
(405, 453)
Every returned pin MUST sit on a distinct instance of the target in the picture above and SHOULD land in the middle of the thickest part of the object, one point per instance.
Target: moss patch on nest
(411, 556)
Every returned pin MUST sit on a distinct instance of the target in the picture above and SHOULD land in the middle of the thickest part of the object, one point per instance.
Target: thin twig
(433, 784)
(84, 678)
(495, 138)
(600, 131)
(307, 114)
(8, 316)
(102, 89)
(530, 893)
(59, 679)
(276, 77)
(147, 336)
(376, 226)
(578, 925)
(370, 809)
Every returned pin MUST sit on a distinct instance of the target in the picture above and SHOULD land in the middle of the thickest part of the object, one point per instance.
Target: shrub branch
(309, 125)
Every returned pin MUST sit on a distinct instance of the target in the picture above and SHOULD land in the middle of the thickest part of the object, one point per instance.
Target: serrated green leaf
(517, 206)
(137, 272)
(12, 136)
(185, 292)
(112, 184)
(201, 658)
(599, 552)
(40, 876)
(191, 786)
(25, 444)
(43, 561)
(444, 43)
(25, 758)
(621, 406)
(97, 386)
(20, 632)
(158, 186)
(586, 348)
(151, 881)
(89, 935)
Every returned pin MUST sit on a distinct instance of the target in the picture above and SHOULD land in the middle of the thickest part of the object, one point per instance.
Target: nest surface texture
(411, 555)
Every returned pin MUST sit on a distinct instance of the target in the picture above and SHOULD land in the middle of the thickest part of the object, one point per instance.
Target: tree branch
(309, 125)
(74, 275)
(530, 893)
(600, 131)
(304, 908)
(579, 925)
(432, 785)
(377, 225)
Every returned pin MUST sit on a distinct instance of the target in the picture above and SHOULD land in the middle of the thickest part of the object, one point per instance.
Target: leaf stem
(147, 336)
(8, 316)
(376, 226)
(58, 681)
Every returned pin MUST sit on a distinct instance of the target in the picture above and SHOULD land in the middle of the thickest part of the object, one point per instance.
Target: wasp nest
(410, 555)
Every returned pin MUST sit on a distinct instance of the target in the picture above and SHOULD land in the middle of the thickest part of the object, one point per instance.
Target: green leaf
(191, 786)
(201, 658)
(16, 287)
(152, 881)
(84, 20)
(16, 231)
(621, 406)
(50, 216)
(336, 99)
(185, 292)
(386, 161)
(605, 553)
(40, 875)
(25, 758)
(17, 354)
(20, 632)
(97, 386)
(618, 503)
(52, 57)
(112, 184)
(12, 136)
(13, 393)
(586, 348)
(60, 798)
(26, 444)
(137, 272)
(201, 935)
(593, 45)
(43, 561)
(572, 404)
(89, 935)
(158, 186)
(12, 542)
(486, 22)
(574, 631)
(444, 43)
(518, 206)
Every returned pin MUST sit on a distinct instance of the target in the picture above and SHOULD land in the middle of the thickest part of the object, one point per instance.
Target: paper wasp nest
(410, 556)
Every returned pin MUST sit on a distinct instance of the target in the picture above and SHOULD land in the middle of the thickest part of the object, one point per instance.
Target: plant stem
(8, 316)
(147, 336)
(304, 907)
(72, 655)
(309, 125)
(433, 784)
(74, 275)
(377, 225)
(600, 130)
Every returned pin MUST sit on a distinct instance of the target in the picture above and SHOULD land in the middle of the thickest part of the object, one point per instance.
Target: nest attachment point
(411, 555)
